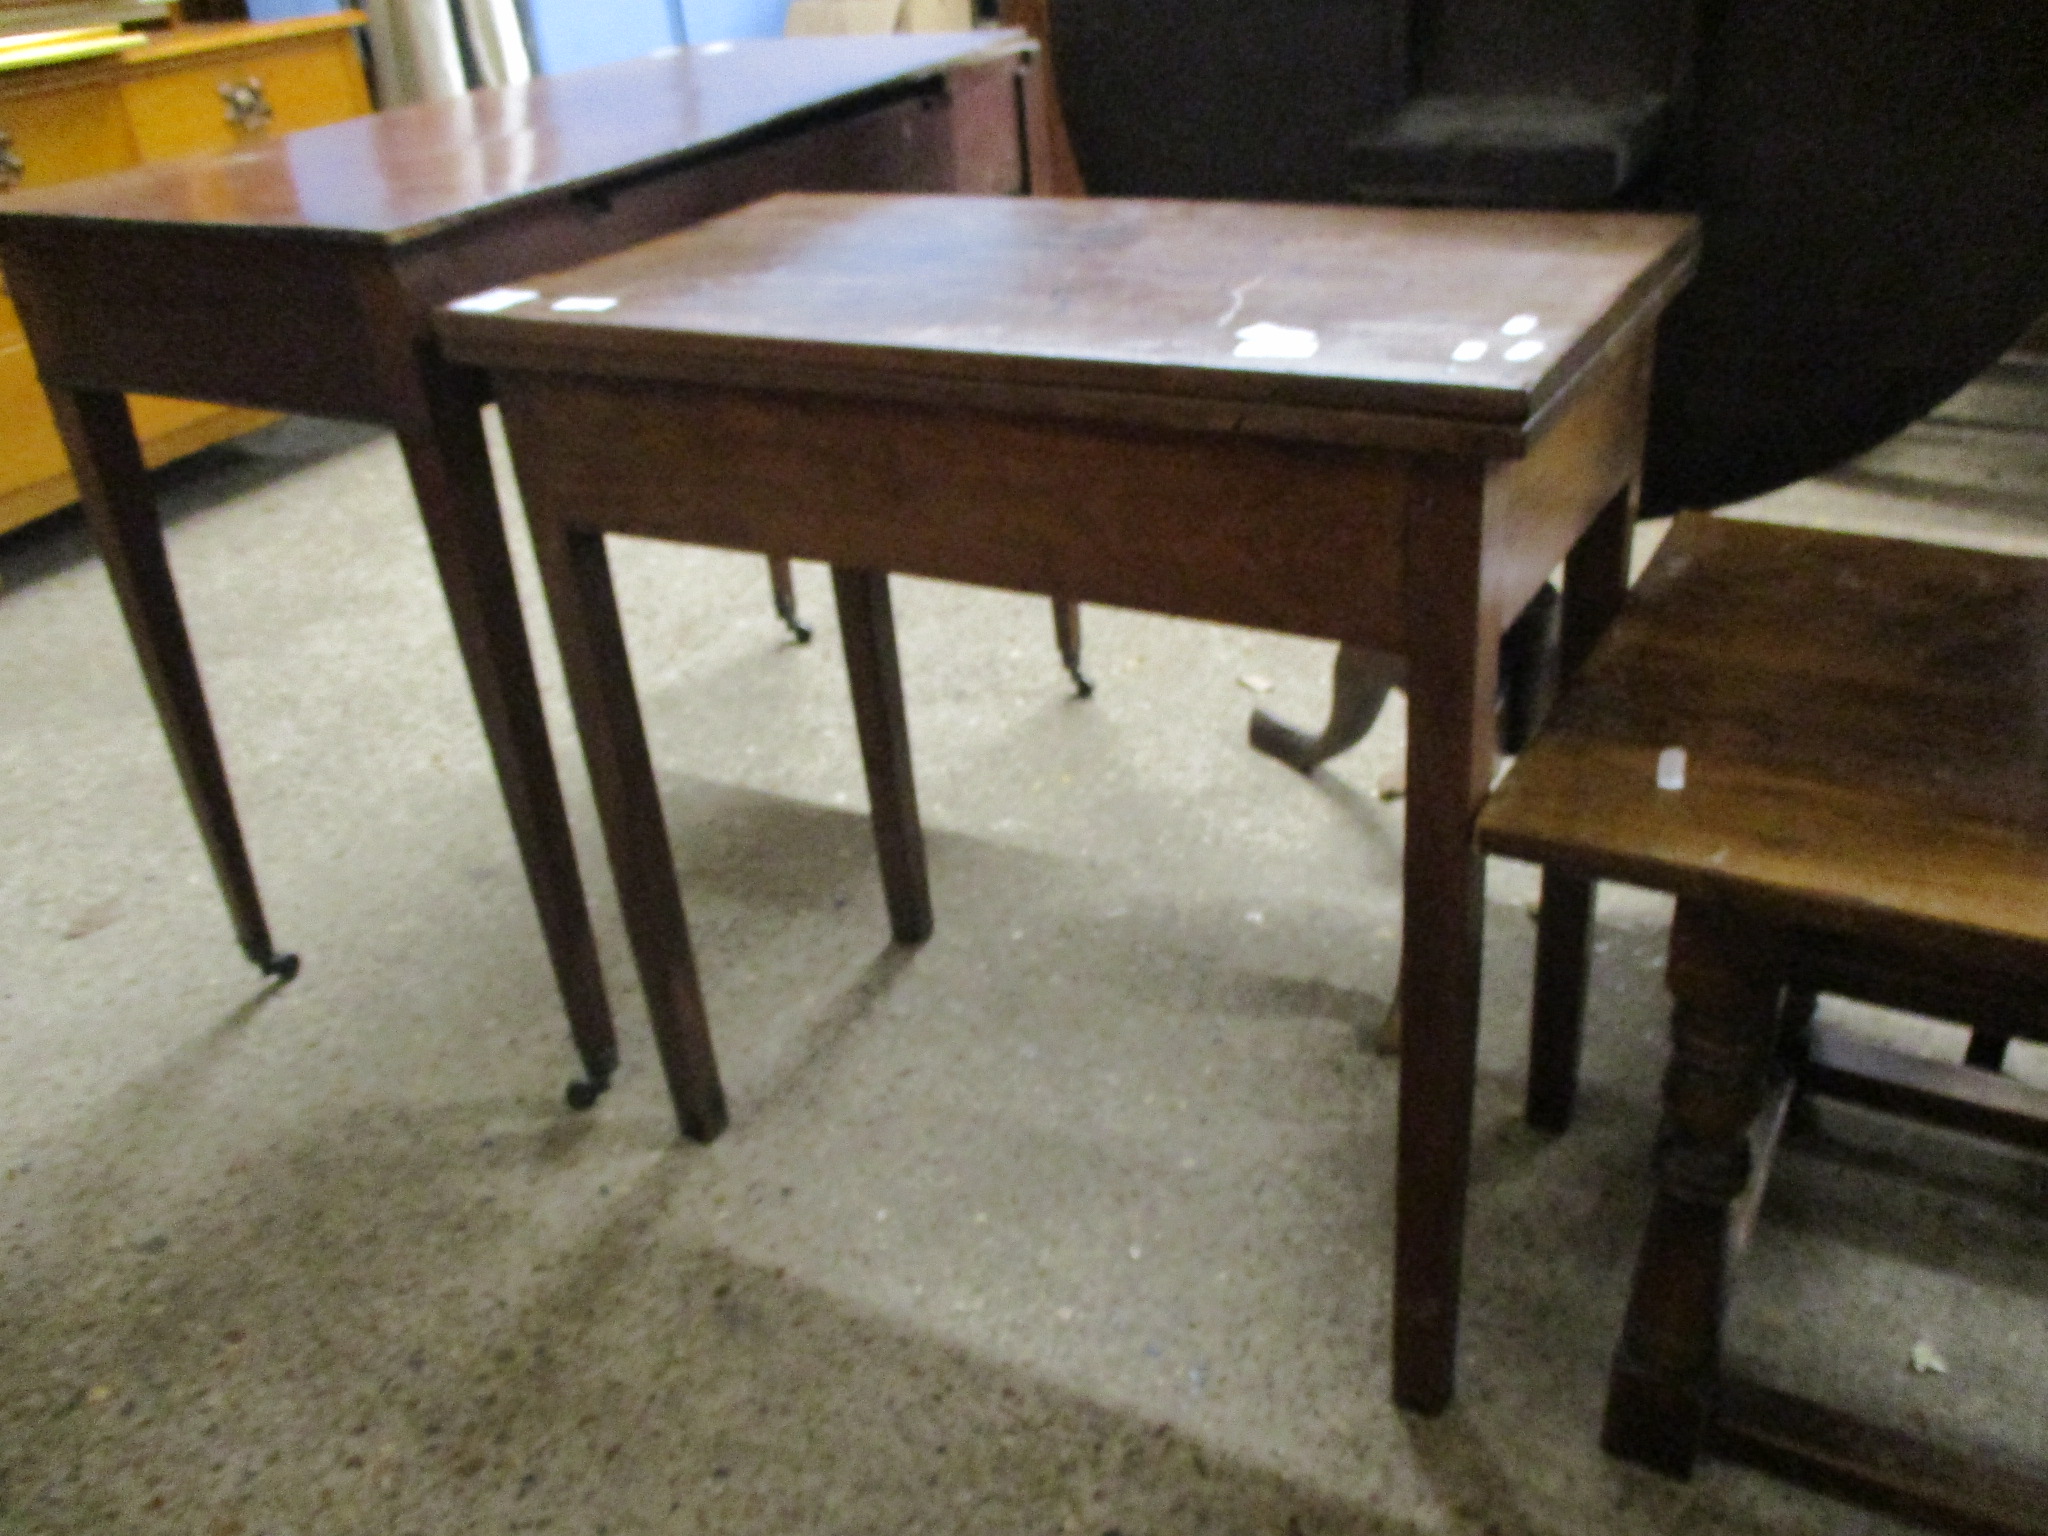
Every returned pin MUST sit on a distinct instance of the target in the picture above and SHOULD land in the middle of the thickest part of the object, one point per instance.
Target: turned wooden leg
(120, 509)
(1595, 586)
(782, 582)
(1726, 975)
(1359, 686)
(579, 589)
(1066, 630)
(867, 628)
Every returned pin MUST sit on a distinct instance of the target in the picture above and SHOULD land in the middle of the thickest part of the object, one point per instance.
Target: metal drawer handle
(248, 108)
(13, 169)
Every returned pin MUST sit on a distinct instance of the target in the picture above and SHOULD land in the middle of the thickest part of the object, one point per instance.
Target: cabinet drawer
(62, 135)
(184, 112)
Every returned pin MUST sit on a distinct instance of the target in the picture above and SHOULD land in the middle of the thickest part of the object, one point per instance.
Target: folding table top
(1476, 317)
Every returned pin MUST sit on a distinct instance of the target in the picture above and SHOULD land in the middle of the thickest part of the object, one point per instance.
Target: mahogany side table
(1378, 426)
(300, 274)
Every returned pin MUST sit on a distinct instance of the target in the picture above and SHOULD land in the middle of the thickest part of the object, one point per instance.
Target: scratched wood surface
(1486, 318)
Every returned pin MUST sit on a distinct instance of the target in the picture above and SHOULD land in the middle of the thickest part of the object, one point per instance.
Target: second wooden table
(1368, 426)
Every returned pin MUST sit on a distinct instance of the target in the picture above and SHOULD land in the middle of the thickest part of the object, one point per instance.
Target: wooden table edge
(1002, 44)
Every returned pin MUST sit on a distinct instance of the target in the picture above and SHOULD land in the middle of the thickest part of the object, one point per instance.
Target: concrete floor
(1075, 1220)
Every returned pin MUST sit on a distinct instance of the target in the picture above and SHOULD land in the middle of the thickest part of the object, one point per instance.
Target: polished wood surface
(1866, 732)
(408, 174)
(1136, 297)
(334, 319)
(1046, 396)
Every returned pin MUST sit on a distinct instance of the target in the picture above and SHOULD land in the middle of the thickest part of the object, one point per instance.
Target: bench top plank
(1865, 723)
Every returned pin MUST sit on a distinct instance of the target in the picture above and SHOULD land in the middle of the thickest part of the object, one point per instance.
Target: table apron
(225, 316)
(275, 318)
(1538, 505)
(1305, 538)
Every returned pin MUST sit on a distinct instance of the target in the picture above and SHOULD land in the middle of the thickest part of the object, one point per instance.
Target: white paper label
(492, 300)
(1276, 341)
(1671, 768)
(578, 305)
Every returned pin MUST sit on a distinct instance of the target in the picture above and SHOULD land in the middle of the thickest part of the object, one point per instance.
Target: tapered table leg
(1595, 586)
(585, 609)
(1453, 657)
(441, 433)
(867, 626)
(121, 510)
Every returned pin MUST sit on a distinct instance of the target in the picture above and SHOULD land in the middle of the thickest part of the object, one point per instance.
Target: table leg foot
(281, 969)
(1358, 692)
(1066, 628)
(784, 585)
(585, 1091)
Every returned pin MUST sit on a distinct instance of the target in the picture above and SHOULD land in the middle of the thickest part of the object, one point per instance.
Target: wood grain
(1866, 729)
(1136, 297)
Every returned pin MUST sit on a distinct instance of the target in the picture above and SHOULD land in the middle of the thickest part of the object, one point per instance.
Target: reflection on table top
(402, 175)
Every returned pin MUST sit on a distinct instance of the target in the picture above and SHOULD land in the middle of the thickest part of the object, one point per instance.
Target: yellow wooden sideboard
(199, 87)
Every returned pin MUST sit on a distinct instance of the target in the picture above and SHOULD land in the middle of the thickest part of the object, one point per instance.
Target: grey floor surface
(1075, 1220)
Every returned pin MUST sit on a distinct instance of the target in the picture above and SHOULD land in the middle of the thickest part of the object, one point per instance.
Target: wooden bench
(1833, 750)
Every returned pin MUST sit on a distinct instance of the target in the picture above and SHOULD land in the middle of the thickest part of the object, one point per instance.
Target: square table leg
(867, 626)
(1453, 661)
(436, 411)
(120, 508)
(578, 579)
(1595, 586)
